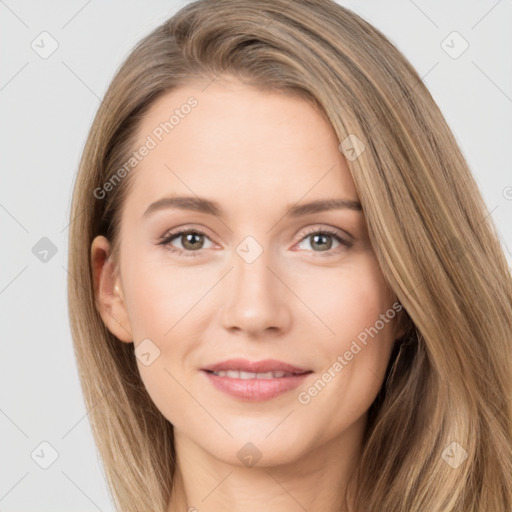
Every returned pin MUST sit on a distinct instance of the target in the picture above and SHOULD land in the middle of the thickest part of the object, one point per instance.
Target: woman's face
(261, 277)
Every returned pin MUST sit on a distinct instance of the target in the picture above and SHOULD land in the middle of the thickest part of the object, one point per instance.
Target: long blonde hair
(448, 388)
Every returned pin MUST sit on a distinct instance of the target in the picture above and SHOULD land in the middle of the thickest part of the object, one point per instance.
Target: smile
(254, 387)
(235, 374)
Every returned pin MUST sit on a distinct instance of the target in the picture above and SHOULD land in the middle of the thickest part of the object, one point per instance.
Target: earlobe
(108, 291)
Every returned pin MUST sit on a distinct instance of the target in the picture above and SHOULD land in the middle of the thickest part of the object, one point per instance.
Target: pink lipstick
(257, 380)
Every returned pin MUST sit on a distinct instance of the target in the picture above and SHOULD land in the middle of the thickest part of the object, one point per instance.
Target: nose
(257, 301)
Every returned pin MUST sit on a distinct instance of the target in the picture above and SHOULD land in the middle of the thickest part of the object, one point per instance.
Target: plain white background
(47, 106)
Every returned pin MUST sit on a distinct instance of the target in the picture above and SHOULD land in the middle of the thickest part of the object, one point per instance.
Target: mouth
(255, 381)
(239, 374)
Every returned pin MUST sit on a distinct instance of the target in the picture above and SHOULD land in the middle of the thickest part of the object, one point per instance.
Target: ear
(108, 292)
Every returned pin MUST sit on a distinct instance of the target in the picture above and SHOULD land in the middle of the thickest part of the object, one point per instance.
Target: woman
(285, 290)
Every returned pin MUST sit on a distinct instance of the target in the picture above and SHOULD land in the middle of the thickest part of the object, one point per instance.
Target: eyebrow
(201, 205)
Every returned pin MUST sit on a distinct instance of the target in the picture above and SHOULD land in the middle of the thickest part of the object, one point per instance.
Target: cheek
(160, 296)
(357, 305)
(364, 325)
(164, 302)
(351, 299)
(160, 303)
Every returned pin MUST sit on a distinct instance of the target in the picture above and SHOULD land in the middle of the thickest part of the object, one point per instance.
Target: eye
(192, 241)
(323, 239)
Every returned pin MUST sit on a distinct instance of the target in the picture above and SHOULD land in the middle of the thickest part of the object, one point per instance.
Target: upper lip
(267, 365)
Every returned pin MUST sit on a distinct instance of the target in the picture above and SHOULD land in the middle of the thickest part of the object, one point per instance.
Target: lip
(266, 365)
(255, 390)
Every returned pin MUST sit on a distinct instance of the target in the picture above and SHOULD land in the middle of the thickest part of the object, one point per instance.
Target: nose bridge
(255, 300)
(251, 274)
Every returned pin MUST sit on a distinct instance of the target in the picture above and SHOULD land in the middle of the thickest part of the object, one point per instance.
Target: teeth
(235, 374)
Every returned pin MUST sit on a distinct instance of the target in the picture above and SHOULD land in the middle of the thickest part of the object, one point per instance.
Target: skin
(302, 302)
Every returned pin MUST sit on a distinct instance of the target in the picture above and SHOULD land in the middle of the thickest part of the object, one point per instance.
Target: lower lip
(256, 390)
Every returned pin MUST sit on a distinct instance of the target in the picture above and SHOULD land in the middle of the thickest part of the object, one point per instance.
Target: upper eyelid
(329, 229)
(308, 230)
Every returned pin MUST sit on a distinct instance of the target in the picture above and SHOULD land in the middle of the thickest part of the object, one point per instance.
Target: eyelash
(165, 241)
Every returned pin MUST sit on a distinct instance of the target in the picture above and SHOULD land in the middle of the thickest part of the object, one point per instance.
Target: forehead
(235, 142)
